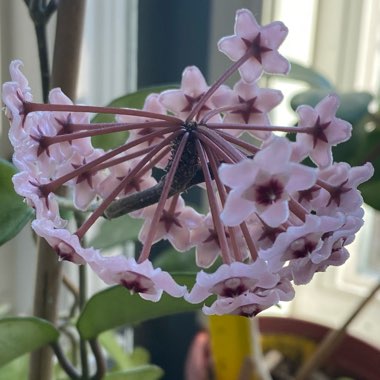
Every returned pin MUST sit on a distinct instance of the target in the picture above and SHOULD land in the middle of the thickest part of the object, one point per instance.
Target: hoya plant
(279, 207)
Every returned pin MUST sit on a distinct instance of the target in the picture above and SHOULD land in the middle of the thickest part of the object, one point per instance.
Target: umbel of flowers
(272, 220)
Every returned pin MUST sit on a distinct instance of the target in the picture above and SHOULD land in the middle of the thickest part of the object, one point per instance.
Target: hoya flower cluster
(272, 221)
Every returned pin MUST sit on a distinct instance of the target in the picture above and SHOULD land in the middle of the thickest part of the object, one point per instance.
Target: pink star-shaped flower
(247, 304)
(342, 194)
(255, 103)
(174, 224)
(152, 104)
(193, 85)
(62, 121)
(263, 184)
(118, 173)
(326, 130)
(252, 302)
(139, 278)
(206, 241)
(45, 205)
(334, 233)
(85, 185)
(301, 271)
(34, 155)
(301, 242)
(259, 42)
(14, 94)
(231, 280)
(64, 243)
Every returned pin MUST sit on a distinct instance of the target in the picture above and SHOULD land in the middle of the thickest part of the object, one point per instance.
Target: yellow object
(230, 345)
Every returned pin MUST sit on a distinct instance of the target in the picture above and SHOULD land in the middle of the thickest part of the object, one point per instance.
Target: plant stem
(40, 14)
(65, 365)
(48, 277)
(43, 57)
(75, 293)
(49, 270)
(67, 45)
(100, 363)
(82, 301)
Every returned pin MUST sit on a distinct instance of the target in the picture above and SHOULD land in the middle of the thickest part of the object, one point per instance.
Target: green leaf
(133, 100)
(21, 335)
(116, 306)
(310, 76)
(16, 369)
(122, 359)
(14, 213)
(116, 232)
(369, 150)
(171, 260)
(370, 192)
(145, 372)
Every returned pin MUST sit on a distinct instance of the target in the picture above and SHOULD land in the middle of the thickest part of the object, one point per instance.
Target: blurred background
(133, 44)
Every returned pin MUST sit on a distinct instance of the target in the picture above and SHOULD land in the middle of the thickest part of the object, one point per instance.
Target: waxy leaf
(21, 335)
(170, 260)
(116, 232)
(16, 369)
(121, 359)
(14, 213)
(369, 151)
(116, 307)
(145, 372)
(134, 365)
(133, 100)
(370, 192)
(310, 76)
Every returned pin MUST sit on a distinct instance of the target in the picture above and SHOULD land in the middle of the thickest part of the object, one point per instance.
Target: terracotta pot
(353, 357)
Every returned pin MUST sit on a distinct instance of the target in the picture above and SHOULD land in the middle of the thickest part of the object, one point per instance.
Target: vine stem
(82, 271)
(49, 269)
(72, 372)
(40, 30)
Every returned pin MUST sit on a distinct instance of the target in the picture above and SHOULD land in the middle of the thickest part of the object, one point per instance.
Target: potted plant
(273, 220)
